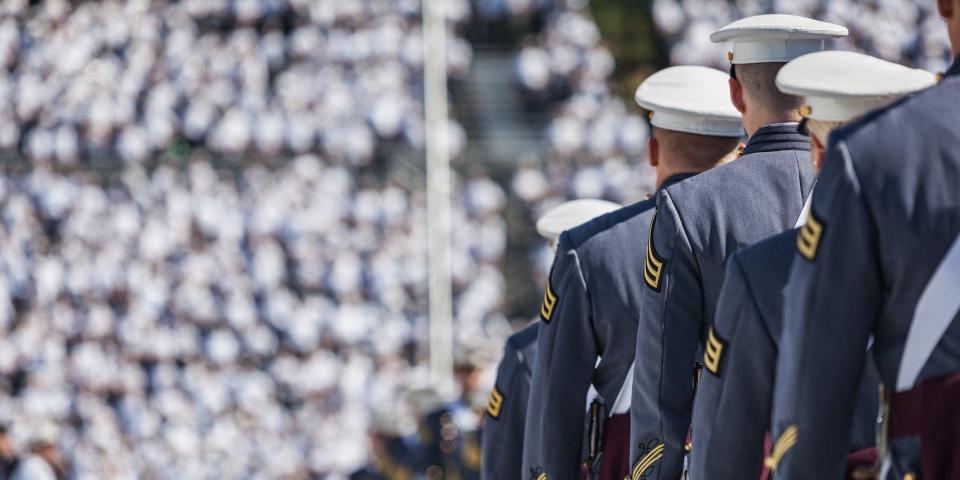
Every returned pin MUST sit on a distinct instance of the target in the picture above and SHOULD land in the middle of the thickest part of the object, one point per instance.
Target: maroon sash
(615, 459)
(931, 411)
(614, 449)
(860, 460)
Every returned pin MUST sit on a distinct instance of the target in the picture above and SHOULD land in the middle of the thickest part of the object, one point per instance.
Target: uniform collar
(954, 69)
(677, 178)
(672, 179)
(777, 137)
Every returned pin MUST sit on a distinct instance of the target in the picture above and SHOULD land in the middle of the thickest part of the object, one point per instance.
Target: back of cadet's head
(693, 152)
(694, 124)
(761, 45)
(759, 82)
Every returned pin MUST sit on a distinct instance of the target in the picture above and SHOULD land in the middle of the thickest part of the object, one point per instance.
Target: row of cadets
(879, 257)
(734, 401)
(502, 439)
(702, 221)
(592, 300)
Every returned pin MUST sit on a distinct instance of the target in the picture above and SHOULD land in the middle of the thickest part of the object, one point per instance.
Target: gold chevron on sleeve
(653, 266)
(786, 441)
(495, 403)
(549, 301)
(646, 462)
(808, 240)
(713, 352)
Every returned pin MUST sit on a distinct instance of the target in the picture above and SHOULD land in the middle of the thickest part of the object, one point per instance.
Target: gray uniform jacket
(699, 223)
(502, 439)
(885, 216)
(590, 310)
(731, 413)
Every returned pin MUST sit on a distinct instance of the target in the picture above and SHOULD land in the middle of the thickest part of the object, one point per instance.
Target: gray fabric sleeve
(667, 339)
(732, 410)
(831, 305)
(562, 373)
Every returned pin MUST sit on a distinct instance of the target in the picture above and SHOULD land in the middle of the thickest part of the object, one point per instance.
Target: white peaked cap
(840, 86)
(690, 99)
(571, 214)
(775, 38)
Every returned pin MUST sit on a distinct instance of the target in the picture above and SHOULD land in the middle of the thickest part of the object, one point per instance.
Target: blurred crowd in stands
(496, 9)
(199, 324)
(568, 67)
(241, 77)
(904, 31)
(596, 143)
(187, 321)
(218, 317)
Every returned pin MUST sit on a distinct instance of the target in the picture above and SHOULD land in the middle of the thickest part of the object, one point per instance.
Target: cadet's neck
(661, 177)
(752, 123)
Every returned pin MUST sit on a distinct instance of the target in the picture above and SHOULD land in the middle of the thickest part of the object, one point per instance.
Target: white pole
(438, 193)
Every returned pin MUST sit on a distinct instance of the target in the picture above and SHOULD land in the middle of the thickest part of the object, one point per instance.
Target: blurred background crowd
(242, 78)
(186, 322)
(213, 238)
(904, 31)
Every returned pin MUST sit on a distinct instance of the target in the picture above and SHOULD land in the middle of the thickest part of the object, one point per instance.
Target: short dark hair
(760, 80)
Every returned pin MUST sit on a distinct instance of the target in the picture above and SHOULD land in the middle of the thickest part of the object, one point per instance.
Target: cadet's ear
(946, 8)
(653, 151)
(736, 95)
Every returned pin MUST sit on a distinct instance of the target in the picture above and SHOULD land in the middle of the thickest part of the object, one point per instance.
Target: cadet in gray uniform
(591, 302)
(879, 256)
(703, 220)
(502, 439)
(734, 401)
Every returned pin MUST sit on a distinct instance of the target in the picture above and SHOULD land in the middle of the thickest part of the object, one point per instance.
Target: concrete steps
(490, 107)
